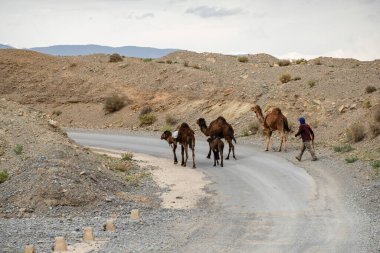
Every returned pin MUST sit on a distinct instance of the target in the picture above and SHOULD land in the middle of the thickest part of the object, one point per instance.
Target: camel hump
(221, 118)
(276, 110)
(184, 125)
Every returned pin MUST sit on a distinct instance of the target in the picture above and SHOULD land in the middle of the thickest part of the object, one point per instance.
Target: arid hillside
(335, 95)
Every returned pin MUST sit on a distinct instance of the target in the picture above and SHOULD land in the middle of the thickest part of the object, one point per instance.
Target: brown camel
(217, 146)
(274, 120)
(221, 129)
(186, 138)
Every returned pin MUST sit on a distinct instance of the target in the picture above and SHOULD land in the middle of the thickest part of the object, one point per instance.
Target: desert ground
(53, 180)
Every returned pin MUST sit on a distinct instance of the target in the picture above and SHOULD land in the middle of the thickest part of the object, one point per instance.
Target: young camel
(274, 120)
(186, 138)
(217, 146)
(219, 128)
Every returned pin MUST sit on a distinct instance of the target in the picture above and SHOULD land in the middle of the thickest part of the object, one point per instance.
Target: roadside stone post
(29, 249)
(88, 234)
(60, 244)
(135, 214)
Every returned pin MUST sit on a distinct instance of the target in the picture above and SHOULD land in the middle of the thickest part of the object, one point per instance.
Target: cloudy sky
(283, 28)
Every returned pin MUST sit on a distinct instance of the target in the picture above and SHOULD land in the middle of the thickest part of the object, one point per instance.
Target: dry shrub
(147, 60)
(120, 165)
(376, 114)
(301, 61)
(147, 119)
(243, 59)
(370, 89)
(115, 58)
(170, 120)
(196, 66)
(145, 110)
(312, 83)
(186, 64)
(283, 63)
(367, 104)
(297, 78)
(169, 61)
(355, 133)
(374, 129)
(284, 78)
(318, 62)
(114, 103)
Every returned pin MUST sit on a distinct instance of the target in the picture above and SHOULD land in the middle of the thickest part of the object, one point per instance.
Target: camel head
(165, 135)
(258, 112)
(201, 122)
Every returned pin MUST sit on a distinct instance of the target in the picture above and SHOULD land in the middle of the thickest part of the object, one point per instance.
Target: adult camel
(185, 138)
(274, 120)
(219, 128)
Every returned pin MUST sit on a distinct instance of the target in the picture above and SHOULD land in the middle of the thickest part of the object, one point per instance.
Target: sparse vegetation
(317, 62)
(57, 112)
(370, 89)
(4, 175)
(147, 59)
(186, 64)
(169, 61)
(160, 61)
(115, 58)
(72, 65)
(343, 148)
(243, 59)
(376, 165)
(18, 149)
(301, 61)
(147, 119)
(120, 165)
(127, 157)
(297, 78)
(312, 83)
(135, 179)
(171, 120)
(114, 103)
(196, 66)
(283, 63)
(367, 104)
(145, 110)
(284, 78)
(374, 129)
(355, 133)
(351, 159)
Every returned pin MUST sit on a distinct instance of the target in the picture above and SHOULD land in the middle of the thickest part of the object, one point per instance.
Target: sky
(283, 28)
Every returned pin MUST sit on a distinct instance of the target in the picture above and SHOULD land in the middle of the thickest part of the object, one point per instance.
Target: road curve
(265, 203)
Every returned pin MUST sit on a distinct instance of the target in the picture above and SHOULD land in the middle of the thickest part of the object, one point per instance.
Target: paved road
(265, 203)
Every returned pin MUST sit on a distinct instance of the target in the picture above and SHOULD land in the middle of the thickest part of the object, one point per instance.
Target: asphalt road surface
(266, 203)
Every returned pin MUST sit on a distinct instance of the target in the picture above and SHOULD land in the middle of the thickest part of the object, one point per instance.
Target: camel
(274, 120)
(217, 146)
(219, 128)
(186, 138)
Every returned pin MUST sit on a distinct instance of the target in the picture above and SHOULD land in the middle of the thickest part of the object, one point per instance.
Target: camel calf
(217, 146)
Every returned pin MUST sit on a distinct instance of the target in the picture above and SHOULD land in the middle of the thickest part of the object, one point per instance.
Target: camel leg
(187, 154)
(182, 151)
(214, 157)
(233, 150)
(193, 154)
(282, 141)
(221, 157)
(175, 156)
(268, 140)
(209, 153)
(229, 150)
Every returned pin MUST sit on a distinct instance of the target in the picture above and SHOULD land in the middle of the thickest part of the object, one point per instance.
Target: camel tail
(286, 126)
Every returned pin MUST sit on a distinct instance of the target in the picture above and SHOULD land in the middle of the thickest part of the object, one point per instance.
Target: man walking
(307, 136)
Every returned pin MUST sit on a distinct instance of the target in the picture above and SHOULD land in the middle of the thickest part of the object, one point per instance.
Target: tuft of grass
(297, 78)
(120, 165)
(18, 149)
(283, 63)
(355, 133)
(4, 175)
(370, 89)
(301, 61)
(145, 110)
(367, 104)
(343, 148)
(135, 179)
(147, 119)
(160, 61)
(115, 58)
(351, 159)
(114, 103)
(284, 78)
(196, 66)
(243, 59)
(376, 164)
(312, 83)
(127, 157)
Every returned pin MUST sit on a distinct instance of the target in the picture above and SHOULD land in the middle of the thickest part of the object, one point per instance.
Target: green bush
(114, 103)
(243, 59)
(283, 63)
(4, 175)
(18, 149)
(147, 60)
(351, 159)
(343, 148)
(376, 164)
(301, 61)
(284, 78)
(115, 58)
(370, 89)
(147, 119)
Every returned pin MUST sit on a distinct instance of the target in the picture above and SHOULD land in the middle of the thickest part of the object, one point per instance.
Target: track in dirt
(265, 203)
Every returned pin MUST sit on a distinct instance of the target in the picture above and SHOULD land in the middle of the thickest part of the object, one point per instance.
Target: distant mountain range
(72, 50)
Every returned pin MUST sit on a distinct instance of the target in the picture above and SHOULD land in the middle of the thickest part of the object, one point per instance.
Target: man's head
(302, 120)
